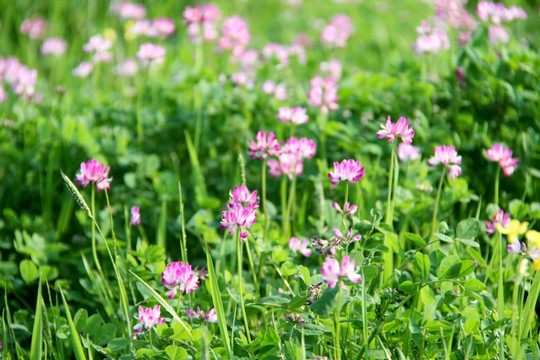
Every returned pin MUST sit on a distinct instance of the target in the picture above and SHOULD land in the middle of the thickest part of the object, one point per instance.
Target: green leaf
(407, 287)
(468, 229)
(75, 341)
(304, 273)
(475, 285)
(423, 264)
(80, 319)
(279, 255)
(416, 239)
(118, 344)
(36, 345)
(467, 267)
(477, 256)
(29, 271)
(443, 237)
(327, 302)
(450, 268)
(370, 272)
(288, 268)
(176, 352)
(468, 242)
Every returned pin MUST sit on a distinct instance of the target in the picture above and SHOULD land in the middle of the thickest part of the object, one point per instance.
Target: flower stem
(389, 254)
(500, 295)
(344, 204)
(496, 193)
(436, 207)
(240, 287)
(265, 209)
(336, 321)
(140, 128)
(287, 229)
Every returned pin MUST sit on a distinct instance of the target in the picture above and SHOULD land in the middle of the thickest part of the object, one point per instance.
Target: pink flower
(503, 155)
(178, 276)
(235, 35)
(297, 245)
(323, 94)
(497, 13)
(332, 271)
(163, 27)
(238, 218)
(302, 148)
(135, 216)
(517, 248)
(393, 131)
(264, 147)
(54, 46)
(347, 170)
(430, 40)
(348, 209)
(83, 69)
(94, 172)
(338, 31)
(497, 34)
(408, 152)
(210, 316)
(201, 22)
(150, 53)
(127, 68)
(9, 69)
(148, 317)
(34, 28)
(99, 45)
(268, 87)
(347, 238)
(295, 115)
(142, 27)
(280, 92)
(332, 68)
(499, 218)
(128, 10)
(24, 82)
(241, 195)
(295, 319)
(448, 156)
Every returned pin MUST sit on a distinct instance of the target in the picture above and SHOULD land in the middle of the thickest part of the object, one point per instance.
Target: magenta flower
(348, 209)
(83, 69)
(238, 218)
(295, 319)
(128, 10)
(34, 28)
(331, 67)
(54, 46)
(201, 22)
(163, 27)
(148, 317)
(127, 68)
(500, 217)
(100, 46)
(332, 271)
(430, 40)
(241, 195)
(264, 147)
(178, 276)
(150, 53)
(295, 115)
(497, 12)
(297, 245)
(135, 216)
(347, 238)
(198, 314)
(287, 164)
(448, 156)
(24, 82)
(302, 148)
(323, 94)
(280, 92)
(503, 155)
(235, 35)
(408, 152)
(392, 131)
(94, 172)
(517, 248)
(347, 170)
(338, 31)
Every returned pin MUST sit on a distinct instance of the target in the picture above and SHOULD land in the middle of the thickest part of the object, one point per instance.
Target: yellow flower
(109, 34)
(513, 230)
(536, 264)
(534, 238)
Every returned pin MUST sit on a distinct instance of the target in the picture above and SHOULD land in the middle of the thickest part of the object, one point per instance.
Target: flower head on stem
(400, 129)
(179, 276)
(148, 317)
(447, 156)
(332, 271)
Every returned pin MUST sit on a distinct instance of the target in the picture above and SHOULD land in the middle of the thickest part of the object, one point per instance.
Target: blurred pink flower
(241, 195)
(235, 35)
(264, 147)
(498, 34)
(331, 67)
(497, 12)
(148, 317)
(237, 218)
(163, 27)
(34, 28)
(150, 54)
(347, 170)
(503, 155)
(201, 22)
(392, 131)
(323, 94)
(430, 40)
(83, 69)
(408, 152)
(54, 46)
(500, 217)
(128, 10)
(100, 46)
(24, 83)
(297, 245)
(135, 216)
(178, 276)
(142, 27)
(448, 156)
(348, 209)
(338, 31)
(332, 271)
(295, 115)
(198, 314)
(128, 67)
(94, 172)
(303, 148)
(280, 92)
(268, 87)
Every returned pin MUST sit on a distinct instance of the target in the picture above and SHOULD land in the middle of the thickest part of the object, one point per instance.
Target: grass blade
(75, 341)
(35, 347)
(530, 304)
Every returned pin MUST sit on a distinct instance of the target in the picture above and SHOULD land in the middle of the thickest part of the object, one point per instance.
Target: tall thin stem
(436, 206)
(287, 228)
(336, 321)
(240, 287)
(389, 219)
(496, 191)
(140, 128)
(265, 209)
(500, 294)
(344, 204)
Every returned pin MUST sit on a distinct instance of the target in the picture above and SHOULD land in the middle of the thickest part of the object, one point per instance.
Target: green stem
(500, 295)
(252, 267)
(344, 204)
(321, 120)
(496, 194)
(140, 128)
(364, 312)
(112, 224)
(183, 240)
(265, 209)
(389, 254)
(240, 287)
(436, 207)
(287, 229)
(336, 322)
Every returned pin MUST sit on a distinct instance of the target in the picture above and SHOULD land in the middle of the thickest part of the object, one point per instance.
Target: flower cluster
(148, 317)
(198, 314)
(454, 14)
(178, 276)
(34, 28)
(338, 31)
(150, 54)
(128, 67)
(430, 40)
(323, 93)
(21, 78)
(128, 10)
(498, 218)
(497, 13)
(408, 152)
(332, 271)
(447, 156)
(135, 216)
(265, 146)
(282, 53)
(392, 131)
(279, 91)
(235, 35)
(295, 319)
(348, 209)
(54, 46)
(332, 68)
(241, 213)
(83, 69)
(100, 47)
(503, 155)
(155, 28)
(94, 172)
(301, 246)
(296, 115)
(201, 22)
(347, 170)
(291, 156)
